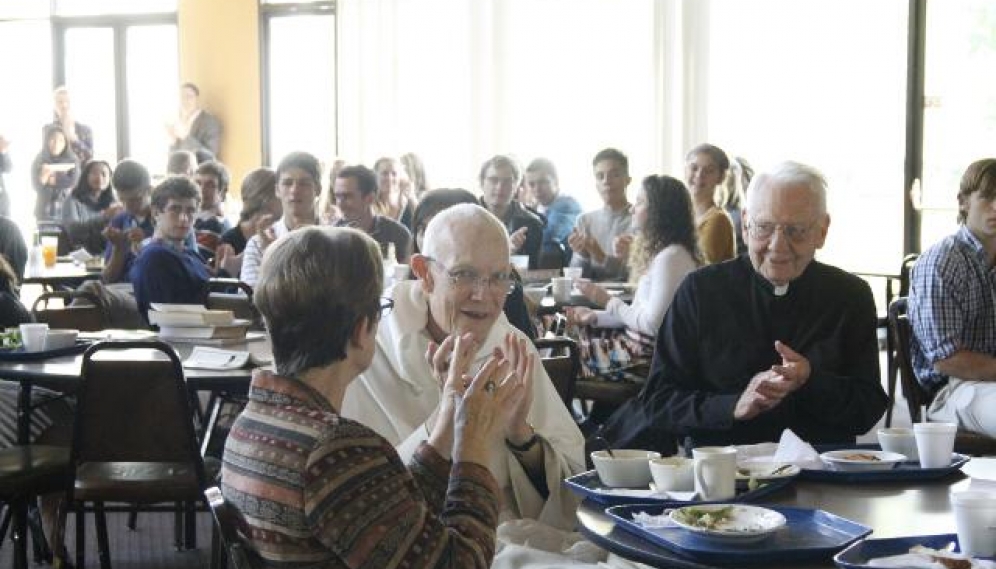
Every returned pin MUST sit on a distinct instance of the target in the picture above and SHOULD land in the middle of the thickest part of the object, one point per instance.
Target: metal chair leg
(80, 536)
(18, 536)
(103, 550)
(190, 525)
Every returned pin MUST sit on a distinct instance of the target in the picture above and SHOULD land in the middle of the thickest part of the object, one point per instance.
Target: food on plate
(947, 559)
(705, 518)
(863, 456)
(10, 338)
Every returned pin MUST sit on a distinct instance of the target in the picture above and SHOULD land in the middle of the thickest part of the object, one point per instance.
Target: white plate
(862, 460)
(742, 524)
(766, 470)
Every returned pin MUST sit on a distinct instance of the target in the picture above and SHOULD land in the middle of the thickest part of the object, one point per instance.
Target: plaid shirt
(952, 304)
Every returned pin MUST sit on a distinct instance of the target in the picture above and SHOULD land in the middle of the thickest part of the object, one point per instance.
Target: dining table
(62, 373)
(891, 509)
(64, 273)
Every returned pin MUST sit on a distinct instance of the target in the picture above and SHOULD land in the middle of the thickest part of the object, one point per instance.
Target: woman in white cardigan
(664, 250)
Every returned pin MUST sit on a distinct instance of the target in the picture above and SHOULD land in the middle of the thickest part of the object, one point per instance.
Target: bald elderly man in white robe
(463, 278)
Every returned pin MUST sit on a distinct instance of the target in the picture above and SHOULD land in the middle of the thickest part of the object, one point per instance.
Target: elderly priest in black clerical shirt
(763, 342)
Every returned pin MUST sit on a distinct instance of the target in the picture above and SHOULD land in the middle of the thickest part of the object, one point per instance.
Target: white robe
(397, 397)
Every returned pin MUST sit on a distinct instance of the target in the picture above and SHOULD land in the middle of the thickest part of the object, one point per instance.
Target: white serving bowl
(862, 460)
(626, 469)
(60, 338)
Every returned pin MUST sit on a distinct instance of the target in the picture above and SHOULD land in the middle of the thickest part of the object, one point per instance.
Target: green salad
(10, 338)
(705, 517)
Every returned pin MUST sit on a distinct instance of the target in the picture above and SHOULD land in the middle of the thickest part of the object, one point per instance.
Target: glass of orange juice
(50, 248)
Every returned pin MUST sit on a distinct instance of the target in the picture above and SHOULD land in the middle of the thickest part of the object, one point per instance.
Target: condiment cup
(673, 473)
(520, 262)
(561, 289)
(58, 339)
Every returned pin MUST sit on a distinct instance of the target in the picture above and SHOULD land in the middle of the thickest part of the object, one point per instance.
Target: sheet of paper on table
(203, 357)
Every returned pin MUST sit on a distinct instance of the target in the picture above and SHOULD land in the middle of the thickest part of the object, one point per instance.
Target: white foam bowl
(58, 339)
(626, 469)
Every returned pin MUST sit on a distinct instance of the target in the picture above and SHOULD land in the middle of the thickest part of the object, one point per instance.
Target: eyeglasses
(468, 279)
(766, 229)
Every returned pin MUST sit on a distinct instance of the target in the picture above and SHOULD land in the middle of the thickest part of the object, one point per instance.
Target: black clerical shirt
(720, 331)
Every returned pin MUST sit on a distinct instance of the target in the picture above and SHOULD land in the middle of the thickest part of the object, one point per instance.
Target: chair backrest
(563, 365)
(227, 519)
(904, 273)
(234, 295)
(89, 317)
(916, 395)
(134, 407)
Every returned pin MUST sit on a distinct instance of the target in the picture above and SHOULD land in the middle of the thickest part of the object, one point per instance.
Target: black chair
(562, 364)
(892, 367)
(27, 472)
(917, 397)
(227, 546)
(88, 317)
(133, 439)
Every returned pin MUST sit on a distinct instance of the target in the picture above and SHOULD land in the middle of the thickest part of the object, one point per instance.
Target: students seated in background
(195, 129)
(78, 135)
(318, 489)
(952, 310)
(167, 270)
(260, 207)
(299, 182)
(181, 163)
(561, 213)
(129, 229)
(355, 193)
(13, 246)
(769, 341)
(732, 196)
(393, 201)
(600, 240)
(212, 178)
(328, 213)
(464, 275)
(54, 172)
(415, 176)
(662, 254)
(12, 312)
(705, 169)
(90, 207)
(499, 178)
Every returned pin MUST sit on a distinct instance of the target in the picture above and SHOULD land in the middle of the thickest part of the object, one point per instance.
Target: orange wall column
(219, 52)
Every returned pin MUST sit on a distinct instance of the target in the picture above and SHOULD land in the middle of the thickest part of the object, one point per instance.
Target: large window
(300, 83)
(960, 108)
(122, 76)
(813, 82)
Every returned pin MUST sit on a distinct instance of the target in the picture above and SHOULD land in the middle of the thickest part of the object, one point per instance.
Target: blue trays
(902, 471)
(588, 485)
(19, 355)
(809, 535)
(858, 555)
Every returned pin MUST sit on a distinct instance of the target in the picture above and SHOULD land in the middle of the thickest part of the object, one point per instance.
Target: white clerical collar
(781, 290)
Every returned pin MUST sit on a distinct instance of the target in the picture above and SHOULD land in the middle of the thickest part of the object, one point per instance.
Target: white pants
(971, 404)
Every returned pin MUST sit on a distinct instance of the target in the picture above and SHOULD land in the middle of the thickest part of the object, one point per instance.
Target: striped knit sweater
(317, 490)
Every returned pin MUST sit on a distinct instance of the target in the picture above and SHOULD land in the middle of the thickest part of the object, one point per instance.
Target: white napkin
(789, 450)
(921, 561)
(80, 256)
(647, 493)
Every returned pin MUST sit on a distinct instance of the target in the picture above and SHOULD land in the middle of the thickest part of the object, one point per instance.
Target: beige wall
(219, 52)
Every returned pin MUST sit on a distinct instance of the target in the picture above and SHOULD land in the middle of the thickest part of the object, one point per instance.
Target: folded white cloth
(789, 450)
(647, 493)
